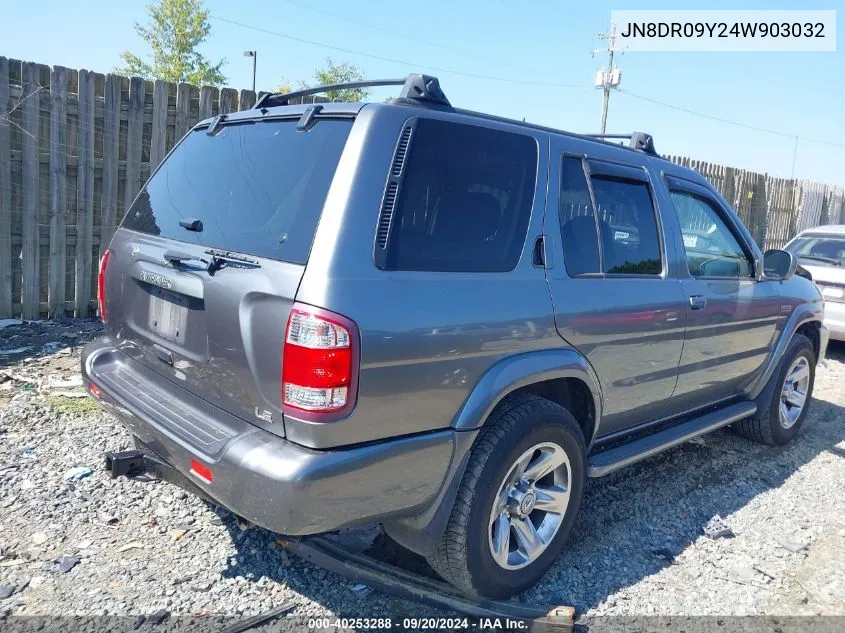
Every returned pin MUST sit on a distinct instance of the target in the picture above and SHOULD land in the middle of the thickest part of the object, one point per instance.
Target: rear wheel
(517, 501)
(781, 420)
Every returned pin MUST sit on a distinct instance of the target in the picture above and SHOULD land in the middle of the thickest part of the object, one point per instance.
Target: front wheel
(517, 501)
(782, 417)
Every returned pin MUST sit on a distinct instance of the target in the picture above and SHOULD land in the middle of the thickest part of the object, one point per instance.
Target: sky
(526, 59)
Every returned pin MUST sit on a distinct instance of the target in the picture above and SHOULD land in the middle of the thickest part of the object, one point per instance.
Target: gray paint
(438, 351)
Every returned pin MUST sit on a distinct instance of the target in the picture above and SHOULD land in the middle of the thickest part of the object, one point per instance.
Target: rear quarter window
(258, 187)
(465, 200)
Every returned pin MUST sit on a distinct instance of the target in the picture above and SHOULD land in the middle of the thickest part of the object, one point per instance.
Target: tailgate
(220, 336)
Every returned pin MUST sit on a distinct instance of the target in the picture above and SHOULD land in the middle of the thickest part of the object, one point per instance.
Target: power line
(402, 34)
(394, 60)
(729, 121)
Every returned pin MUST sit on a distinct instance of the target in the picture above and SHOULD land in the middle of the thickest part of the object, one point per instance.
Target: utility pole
(610, 77)
(254, 55)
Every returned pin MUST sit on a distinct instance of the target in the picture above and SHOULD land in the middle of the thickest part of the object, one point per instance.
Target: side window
(629, 237)
(711, 248)
(577, 220)
(465, 200)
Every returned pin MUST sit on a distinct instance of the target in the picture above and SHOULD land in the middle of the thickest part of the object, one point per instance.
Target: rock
(664, 553)
(37, 581)
(65, 564)
(793, 546)
(742, 574)
(6, 591)
(108, 519)
(129, 546)
(716, 528)
(157, 617)
(39, 538)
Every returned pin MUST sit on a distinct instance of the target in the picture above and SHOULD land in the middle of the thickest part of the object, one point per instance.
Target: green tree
(344, 72)
(175, 30)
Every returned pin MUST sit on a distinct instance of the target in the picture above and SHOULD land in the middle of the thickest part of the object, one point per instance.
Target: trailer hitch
(126, 464)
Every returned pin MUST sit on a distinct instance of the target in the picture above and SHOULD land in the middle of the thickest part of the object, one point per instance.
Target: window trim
(680, 185)
(617, 170)
(585, 169)
(621, 171)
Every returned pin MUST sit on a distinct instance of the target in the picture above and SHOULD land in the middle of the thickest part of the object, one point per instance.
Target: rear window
(258, 187)
(465, 200)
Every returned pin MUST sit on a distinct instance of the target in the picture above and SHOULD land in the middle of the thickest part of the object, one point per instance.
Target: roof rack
(636, 140)
(417, 89)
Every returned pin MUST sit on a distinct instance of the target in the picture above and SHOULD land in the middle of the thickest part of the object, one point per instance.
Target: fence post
(158, 140)
(30, 294)
(58, 192)
(5, 195)
(111, 149)
(247, 99)
(135, 130)
(228, 100)
(85, 194)
(183, 111)
(206, 102)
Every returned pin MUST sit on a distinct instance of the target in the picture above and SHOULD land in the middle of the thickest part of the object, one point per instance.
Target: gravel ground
(637, 549)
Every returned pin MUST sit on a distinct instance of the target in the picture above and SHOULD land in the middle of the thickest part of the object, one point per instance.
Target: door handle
(697, 302)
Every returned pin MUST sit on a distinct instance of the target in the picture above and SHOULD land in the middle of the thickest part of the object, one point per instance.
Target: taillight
(317, 366)
(101, 284)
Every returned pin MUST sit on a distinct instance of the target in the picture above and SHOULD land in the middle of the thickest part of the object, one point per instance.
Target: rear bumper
(266, 479)
(834, 319)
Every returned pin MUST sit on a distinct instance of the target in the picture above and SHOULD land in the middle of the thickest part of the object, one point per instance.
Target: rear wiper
(177, 257)
(819, 258)
(220, 257)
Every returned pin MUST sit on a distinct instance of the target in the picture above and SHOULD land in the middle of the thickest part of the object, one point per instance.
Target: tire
(769, 426)
(464, 556)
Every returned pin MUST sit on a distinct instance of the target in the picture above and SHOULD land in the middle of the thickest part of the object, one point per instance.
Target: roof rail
(636, 140)
(417, 89)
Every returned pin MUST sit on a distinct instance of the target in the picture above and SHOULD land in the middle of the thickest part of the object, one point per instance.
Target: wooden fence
(773, 209)
(76, 146)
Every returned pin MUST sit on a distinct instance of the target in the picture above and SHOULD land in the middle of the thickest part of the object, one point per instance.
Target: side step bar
(606, 462)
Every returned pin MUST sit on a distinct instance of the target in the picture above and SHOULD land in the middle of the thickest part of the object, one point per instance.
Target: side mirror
(778, 264)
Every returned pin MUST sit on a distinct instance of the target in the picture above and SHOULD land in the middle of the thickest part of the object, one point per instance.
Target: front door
(732, 317)
(614, 289)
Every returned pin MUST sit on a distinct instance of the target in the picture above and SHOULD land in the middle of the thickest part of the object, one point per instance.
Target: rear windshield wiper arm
(220, 257)
(177, 257)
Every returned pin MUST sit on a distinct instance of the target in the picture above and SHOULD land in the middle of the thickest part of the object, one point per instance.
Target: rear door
(732, 317)
(213, 322)
(616, 298)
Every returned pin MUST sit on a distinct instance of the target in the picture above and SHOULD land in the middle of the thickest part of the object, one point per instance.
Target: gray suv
(323, 315)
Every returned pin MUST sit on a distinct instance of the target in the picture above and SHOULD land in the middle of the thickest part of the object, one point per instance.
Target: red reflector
(201, 470)
(101, 284)
(95, 390)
